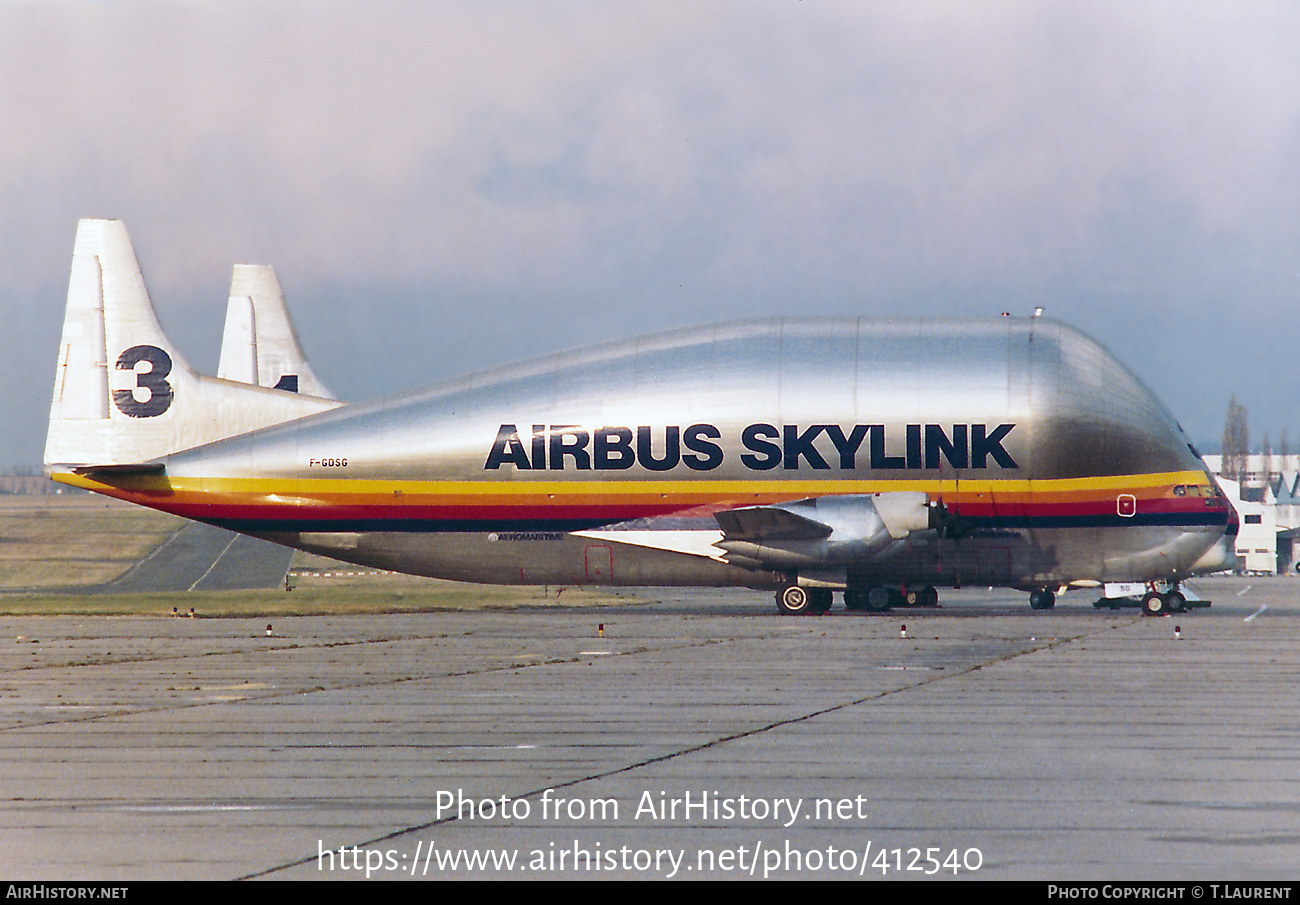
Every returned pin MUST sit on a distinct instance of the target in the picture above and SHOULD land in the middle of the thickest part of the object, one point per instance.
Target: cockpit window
(1207, 492)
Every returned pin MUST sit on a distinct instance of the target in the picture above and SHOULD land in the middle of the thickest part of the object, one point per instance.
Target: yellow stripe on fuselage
(1003, 488)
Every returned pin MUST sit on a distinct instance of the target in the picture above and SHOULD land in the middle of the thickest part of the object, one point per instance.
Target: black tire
(856, 598)
(1041, 600)
(881, 599)
(920, 597)
(820, 600)
(1154, 604)
(1177, 602)
(794, 600)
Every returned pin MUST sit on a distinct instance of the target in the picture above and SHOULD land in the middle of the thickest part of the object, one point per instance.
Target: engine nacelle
(824, 530)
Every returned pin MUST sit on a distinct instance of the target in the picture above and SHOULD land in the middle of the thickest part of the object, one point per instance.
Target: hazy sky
(444, 186)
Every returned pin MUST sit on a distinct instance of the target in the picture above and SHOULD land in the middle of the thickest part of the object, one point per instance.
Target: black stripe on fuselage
(439, 526)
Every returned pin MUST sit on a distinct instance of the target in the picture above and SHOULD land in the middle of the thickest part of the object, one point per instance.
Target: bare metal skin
(1076, 413)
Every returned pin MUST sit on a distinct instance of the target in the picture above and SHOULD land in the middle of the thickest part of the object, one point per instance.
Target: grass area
(74, 539)
(78, 540)
(341, 598)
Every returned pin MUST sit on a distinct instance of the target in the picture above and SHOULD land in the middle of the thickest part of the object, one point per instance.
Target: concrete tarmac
(202, 557)
(703, 736)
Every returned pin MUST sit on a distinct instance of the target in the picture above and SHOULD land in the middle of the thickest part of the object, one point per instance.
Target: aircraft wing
(813, 532)
(758, 523)
(825, 531)
(747, 524)
(692, 543)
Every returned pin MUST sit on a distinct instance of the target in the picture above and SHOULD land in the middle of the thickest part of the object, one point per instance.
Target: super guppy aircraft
(880, 458)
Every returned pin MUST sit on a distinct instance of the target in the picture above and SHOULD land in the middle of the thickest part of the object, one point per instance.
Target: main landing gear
(875, 600)
(796, 600)
(1041, 599)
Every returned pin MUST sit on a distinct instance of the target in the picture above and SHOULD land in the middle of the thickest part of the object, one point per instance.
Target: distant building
(1261, 471)
(1267, 501)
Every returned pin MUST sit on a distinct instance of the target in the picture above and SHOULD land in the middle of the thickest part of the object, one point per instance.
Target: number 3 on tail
(153, 380)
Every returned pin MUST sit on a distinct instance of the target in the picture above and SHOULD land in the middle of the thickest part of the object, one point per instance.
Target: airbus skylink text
(560, 447)
(662, 807)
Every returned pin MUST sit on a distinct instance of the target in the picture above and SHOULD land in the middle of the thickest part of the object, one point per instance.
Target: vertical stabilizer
(122, 392)
(81, 380)
(239, 342)
(258, 319)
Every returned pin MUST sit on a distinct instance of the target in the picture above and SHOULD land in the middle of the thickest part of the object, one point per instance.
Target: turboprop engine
(823, 531)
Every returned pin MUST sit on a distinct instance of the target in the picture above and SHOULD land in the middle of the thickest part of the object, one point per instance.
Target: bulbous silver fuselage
(1047, 460)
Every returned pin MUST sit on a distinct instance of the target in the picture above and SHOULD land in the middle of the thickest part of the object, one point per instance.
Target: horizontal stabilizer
(104, 471)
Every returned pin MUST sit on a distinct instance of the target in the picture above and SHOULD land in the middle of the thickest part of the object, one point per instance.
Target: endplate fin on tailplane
(123, 394)
(259, 344)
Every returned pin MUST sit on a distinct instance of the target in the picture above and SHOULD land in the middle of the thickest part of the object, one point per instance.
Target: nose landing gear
(1155, 603)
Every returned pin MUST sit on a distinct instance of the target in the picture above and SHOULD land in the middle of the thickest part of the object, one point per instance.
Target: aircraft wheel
(1154, 604)
(856, 598)
(794, 600)
(880, 599)
(820, 600)
(921, 597)
(1177, 602)
(1041, 600)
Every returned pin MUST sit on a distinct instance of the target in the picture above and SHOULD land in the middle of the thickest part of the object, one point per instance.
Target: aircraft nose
(1221, 557)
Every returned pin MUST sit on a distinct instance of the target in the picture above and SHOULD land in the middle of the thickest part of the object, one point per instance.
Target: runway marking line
(214, 563)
